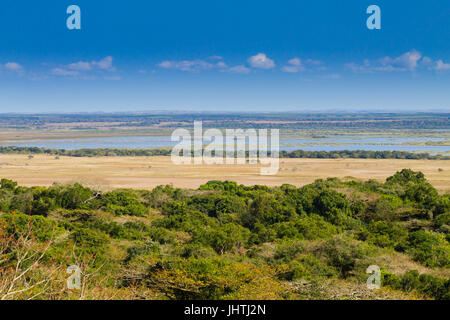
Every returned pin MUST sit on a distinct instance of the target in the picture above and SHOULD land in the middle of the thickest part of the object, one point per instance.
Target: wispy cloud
(441, 65)
(238, 69)
(83, 69)
(198, 65)
(105, 64)
(261, 61)
(82, 66)
(64, 72)
(187, 65)
(409, 61)
(104, 68)
(438, 65)
(357, 68)
(13, 66)
(294, 65)
(314, 62)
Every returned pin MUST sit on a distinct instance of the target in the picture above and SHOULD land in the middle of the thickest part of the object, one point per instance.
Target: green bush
(442, 219)
(433, 287)
(343, 254)
(305, 266)
(332, 205)
(90, 241)
(385, 234)
(429, 248)
(226, 237)
(288, 250)
(145, 248)
(73, 196)
(315, 227)
(230, 241)
(161, 235)
(18, 224)
(385, 208)
(8, 184)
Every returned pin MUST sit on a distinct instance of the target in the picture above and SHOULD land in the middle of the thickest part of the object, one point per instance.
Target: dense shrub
(429, 248)
(343, 254)
(123, 203)
(385, 234)
(90, 241)
(332, 205)
(38, 227)
(429, 285)
(227, 240)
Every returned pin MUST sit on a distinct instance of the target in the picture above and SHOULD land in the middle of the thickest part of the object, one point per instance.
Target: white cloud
(441, 65)
(187, 65)
(221, 64)
(426, 61)
(356, 68)
(64, 72)
(290, 69)
(438, 65)
(294, 66)
(314, 62)
(105, 64)
(239, 69)
(261, 61)
(166, 64)
(194, 65)
(295, 62)
(409, 61)
(13, 66)
(83, 69)
(82, 66)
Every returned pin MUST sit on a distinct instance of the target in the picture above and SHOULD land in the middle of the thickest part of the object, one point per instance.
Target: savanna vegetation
(227, 241)
(113, 152)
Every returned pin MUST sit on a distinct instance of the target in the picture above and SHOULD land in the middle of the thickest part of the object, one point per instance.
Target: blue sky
(224, 56)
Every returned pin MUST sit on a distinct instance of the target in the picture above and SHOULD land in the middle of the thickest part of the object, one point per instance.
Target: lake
(327, 143)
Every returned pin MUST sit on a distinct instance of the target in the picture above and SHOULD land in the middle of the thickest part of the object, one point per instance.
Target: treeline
(356, 154)
(106, 152)
(227, 241)
(361, 154)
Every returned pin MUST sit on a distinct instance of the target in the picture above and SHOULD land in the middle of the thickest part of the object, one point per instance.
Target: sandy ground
(148, 172)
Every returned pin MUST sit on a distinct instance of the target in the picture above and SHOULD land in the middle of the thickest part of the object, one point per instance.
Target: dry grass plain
(147, 172)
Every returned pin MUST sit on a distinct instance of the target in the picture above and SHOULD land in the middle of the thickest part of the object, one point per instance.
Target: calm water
(331, 143)
(95, 143)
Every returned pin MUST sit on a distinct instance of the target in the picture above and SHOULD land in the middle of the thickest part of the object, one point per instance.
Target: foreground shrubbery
(222, 241)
